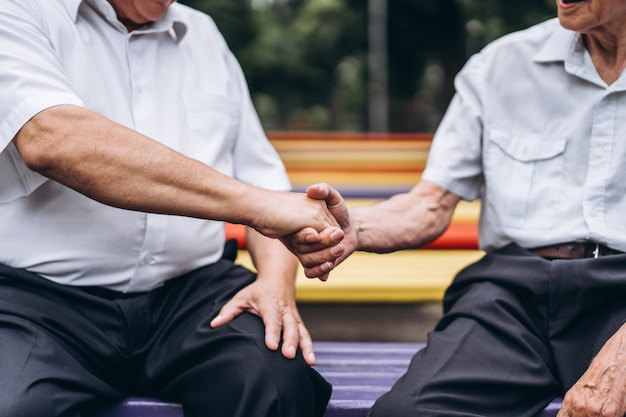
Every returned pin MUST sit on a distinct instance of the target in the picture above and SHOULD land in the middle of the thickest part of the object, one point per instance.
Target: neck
(130, 25)
(608, 55)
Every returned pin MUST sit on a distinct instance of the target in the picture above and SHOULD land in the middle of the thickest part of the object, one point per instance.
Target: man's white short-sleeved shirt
(540, 138)
(175, 81)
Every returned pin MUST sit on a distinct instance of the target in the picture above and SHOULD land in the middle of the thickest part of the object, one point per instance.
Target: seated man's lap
(502, 346)
(476, 366)
(227, 370)
(82, 344)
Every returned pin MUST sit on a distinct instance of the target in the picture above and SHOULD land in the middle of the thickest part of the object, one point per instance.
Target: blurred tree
(423, 36)
(487, 20)
(306, 60)
(235, 19)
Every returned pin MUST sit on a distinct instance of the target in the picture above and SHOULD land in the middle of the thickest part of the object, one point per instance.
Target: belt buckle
(590, 248)
(596, 251)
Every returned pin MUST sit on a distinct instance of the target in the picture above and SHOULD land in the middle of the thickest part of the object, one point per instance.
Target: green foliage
(487, 20)
(235, 19)
(306, 60)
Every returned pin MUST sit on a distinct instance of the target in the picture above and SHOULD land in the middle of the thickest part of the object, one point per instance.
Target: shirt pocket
(213, 123)
(523, 174)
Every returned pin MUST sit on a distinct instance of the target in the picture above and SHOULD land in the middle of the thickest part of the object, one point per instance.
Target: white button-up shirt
(540, 138)
(174, 81)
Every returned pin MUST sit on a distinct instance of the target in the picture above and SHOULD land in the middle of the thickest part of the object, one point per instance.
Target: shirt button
(599, 153)
(593, 212)
(148, 259)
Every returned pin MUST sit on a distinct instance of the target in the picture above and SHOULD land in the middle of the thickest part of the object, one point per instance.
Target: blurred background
(360, 65)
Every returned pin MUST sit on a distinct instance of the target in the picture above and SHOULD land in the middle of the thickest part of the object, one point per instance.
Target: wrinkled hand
(293, 218)
(601, 391)
(276, 305)
(317, 252)
(280, 214)
(320, 253)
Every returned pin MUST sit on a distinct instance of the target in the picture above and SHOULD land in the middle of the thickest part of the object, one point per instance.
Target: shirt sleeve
(31, 80)
(455, 158)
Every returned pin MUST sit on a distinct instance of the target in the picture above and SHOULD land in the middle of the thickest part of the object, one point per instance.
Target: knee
(266, 385)
(385, 408)
(299, 389)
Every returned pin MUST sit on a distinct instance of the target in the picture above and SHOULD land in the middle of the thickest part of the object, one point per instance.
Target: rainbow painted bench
(359, 373)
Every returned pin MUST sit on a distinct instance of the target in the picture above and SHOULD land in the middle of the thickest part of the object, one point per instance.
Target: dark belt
(575, 250)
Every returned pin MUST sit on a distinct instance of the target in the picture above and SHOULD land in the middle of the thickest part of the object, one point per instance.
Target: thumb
(334, 201)
(319, 191)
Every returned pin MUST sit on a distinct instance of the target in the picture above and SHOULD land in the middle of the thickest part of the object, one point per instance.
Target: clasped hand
(320, 252)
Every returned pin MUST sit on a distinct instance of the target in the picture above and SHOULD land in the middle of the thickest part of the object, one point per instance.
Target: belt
(575, 250)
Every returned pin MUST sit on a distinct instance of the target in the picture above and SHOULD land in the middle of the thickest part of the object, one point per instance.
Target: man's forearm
(404, 221)
(271, 258)
(120, 167)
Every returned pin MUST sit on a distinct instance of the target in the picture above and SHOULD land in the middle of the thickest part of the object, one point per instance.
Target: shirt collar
(173, 21)
(566, 46)
(72, 7)
(561, 46)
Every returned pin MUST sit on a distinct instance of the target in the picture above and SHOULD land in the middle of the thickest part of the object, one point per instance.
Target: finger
(333, 198)
(307, 235)
(337, 206)
(273, 328)
(291, 334)
(334, 201)
(319, 271)
(309, 240)
(306, 344)
(328, 238)
(230, 310)
(320, 257)
(319, 191)
(323, 277)
(323, 191)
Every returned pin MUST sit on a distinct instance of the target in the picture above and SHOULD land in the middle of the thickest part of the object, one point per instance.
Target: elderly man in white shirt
(537, 130)
(127, 137)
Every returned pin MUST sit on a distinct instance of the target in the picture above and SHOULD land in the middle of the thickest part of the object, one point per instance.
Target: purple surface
(359, 373)
(140, 407)
(366, 191)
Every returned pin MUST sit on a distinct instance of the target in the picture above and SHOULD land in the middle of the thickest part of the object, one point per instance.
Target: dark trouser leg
(587, 307)
(489, 355)
(227, 371)
(63, 348)
(45, 370)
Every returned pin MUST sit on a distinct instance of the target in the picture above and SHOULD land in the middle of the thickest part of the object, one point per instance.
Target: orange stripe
(353, 136)
(457, 236)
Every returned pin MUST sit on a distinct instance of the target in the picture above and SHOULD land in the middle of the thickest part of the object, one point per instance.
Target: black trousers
(517, 331)
(65, 349)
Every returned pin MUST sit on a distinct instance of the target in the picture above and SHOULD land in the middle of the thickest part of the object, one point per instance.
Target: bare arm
(404, 221)
(601, 391)
(120, 167)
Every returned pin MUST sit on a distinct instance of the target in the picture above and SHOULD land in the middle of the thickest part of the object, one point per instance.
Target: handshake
(314, 226)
